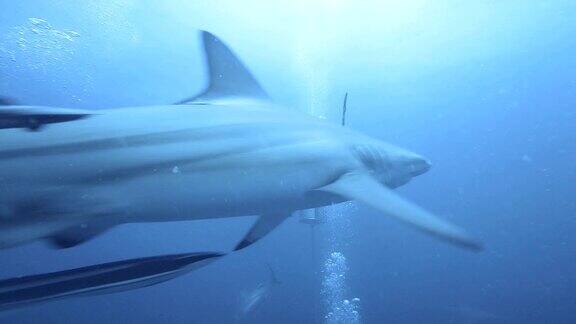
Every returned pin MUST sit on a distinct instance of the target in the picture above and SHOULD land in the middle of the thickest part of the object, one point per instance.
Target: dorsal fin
(228, 77)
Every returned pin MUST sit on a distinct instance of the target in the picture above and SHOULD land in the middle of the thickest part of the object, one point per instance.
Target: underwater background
(484, 89)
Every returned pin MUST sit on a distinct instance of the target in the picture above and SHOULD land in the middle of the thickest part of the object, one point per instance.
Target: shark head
(404, 165)
(390, 165)
(371, 171)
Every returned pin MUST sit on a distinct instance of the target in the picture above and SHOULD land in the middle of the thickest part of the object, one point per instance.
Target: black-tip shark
(228, 151)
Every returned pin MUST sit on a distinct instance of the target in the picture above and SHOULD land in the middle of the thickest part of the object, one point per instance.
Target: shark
(69, 175)
(253, 299)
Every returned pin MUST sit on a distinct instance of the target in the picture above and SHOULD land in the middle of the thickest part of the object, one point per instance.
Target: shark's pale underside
(229, 151)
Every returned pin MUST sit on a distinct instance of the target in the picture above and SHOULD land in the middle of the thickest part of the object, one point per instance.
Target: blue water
(486, 90)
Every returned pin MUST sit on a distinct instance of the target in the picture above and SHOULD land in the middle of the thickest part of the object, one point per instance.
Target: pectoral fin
(264, 225)
(362, 187)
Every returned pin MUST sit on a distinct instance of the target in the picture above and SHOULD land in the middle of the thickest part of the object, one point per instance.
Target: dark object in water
(33, 118)
(15, 115)
(5, 101)
(344, 109)
(99, 279)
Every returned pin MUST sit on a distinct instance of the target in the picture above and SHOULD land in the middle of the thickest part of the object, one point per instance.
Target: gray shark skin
(99, 279)
(229, 151)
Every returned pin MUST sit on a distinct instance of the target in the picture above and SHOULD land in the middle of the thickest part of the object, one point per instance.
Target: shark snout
(420, 165)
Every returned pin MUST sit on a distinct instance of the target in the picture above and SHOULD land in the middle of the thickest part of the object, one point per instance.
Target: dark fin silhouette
(344, 109)
(34, 118)
(264, 225)
(99, 279)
